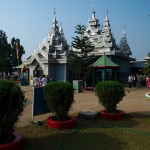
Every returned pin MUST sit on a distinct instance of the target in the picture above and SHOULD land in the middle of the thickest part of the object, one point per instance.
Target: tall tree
(83, 46)
(17, 51)
(5, 53)
(8, 57)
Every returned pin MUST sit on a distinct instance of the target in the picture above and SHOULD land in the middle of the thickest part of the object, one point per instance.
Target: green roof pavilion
(105, 63)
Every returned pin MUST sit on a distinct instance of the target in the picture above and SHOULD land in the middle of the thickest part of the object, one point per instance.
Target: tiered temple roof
(103, 39)
(123, 45)
(53, 47)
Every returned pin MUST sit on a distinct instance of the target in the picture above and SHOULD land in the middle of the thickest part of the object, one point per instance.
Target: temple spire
(124, 47)
(106, 15)
(54, 23)
(60, 28)
(54, 11)
(93, 12)
(124, 33)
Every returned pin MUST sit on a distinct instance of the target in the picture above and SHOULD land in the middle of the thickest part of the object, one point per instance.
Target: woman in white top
(40, 81)
(35, 81)
(44, 80)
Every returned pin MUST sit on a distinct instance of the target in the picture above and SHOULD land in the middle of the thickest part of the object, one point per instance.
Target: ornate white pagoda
(51, 56)
(105, 44)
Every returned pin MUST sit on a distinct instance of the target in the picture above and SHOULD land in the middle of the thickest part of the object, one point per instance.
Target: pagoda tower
(106, 41)
(101, 38)
(93, 29)
(123, 45)
(51, 56)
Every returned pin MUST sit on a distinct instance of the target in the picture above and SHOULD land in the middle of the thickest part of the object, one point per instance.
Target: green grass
(132, 133)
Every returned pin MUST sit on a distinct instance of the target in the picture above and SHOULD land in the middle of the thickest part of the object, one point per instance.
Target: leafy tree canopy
(17, 50)
(5, 53)
(82, 46)
(8, 53)
(81, 42)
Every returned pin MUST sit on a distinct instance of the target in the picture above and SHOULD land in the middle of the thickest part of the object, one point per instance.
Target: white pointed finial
(107, 12)
(106, 15)
(124, 30)
(60, 29)
(93, 11)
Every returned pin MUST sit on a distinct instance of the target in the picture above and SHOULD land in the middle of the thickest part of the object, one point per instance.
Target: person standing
(35, 81)
(44, 80)
(134, 80)
(138, 85)
(40, 81)
(148, 81)
(130, 81)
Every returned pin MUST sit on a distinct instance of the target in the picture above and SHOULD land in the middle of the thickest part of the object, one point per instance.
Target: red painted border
(119, 115)
(68, 124)
(16, 144)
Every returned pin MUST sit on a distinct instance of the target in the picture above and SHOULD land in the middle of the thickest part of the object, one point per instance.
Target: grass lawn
(132, 133)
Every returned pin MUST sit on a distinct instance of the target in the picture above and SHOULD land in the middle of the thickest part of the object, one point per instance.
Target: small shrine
(105, 69)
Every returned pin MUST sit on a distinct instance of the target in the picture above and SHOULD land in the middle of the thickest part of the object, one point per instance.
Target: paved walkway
(134, 102)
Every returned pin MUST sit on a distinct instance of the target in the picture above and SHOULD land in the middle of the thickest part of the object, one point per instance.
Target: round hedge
(109, 94)
(59, 97)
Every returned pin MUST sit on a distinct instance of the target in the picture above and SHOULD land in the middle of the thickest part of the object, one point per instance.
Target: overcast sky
(31, 20)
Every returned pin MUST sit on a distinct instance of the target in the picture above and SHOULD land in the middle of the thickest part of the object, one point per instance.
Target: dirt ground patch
(134, 102)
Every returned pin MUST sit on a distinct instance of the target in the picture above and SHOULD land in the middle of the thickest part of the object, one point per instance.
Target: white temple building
(52, 56)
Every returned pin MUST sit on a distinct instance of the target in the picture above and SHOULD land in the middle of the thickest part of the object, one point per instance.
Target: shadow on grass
(92, 141)
(128, 121)
(99, 134)
(74, 140)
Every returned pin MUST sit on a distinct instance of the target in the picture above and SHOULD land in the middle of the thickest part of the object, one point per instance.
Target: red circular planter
(16, 144)
(118, 115)
(66, 124)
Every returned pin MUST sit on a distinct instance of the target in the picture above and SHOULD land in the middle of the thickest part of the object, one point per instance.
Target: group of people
(138, 81)
(40, 81)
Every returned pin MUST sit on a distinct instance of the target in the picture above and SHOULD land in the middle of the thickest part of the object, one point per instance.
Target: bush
(109, 94)
(59, 97)
(12, 103)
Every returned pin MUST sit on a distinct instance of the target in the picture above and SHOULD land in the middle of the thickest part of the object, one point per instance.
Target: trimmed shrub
(12, 103)
(109, 94)
(59, 97)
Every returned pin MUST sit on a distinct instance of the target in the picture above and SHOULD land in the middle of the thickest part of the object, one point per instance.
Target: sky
(31, 20)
